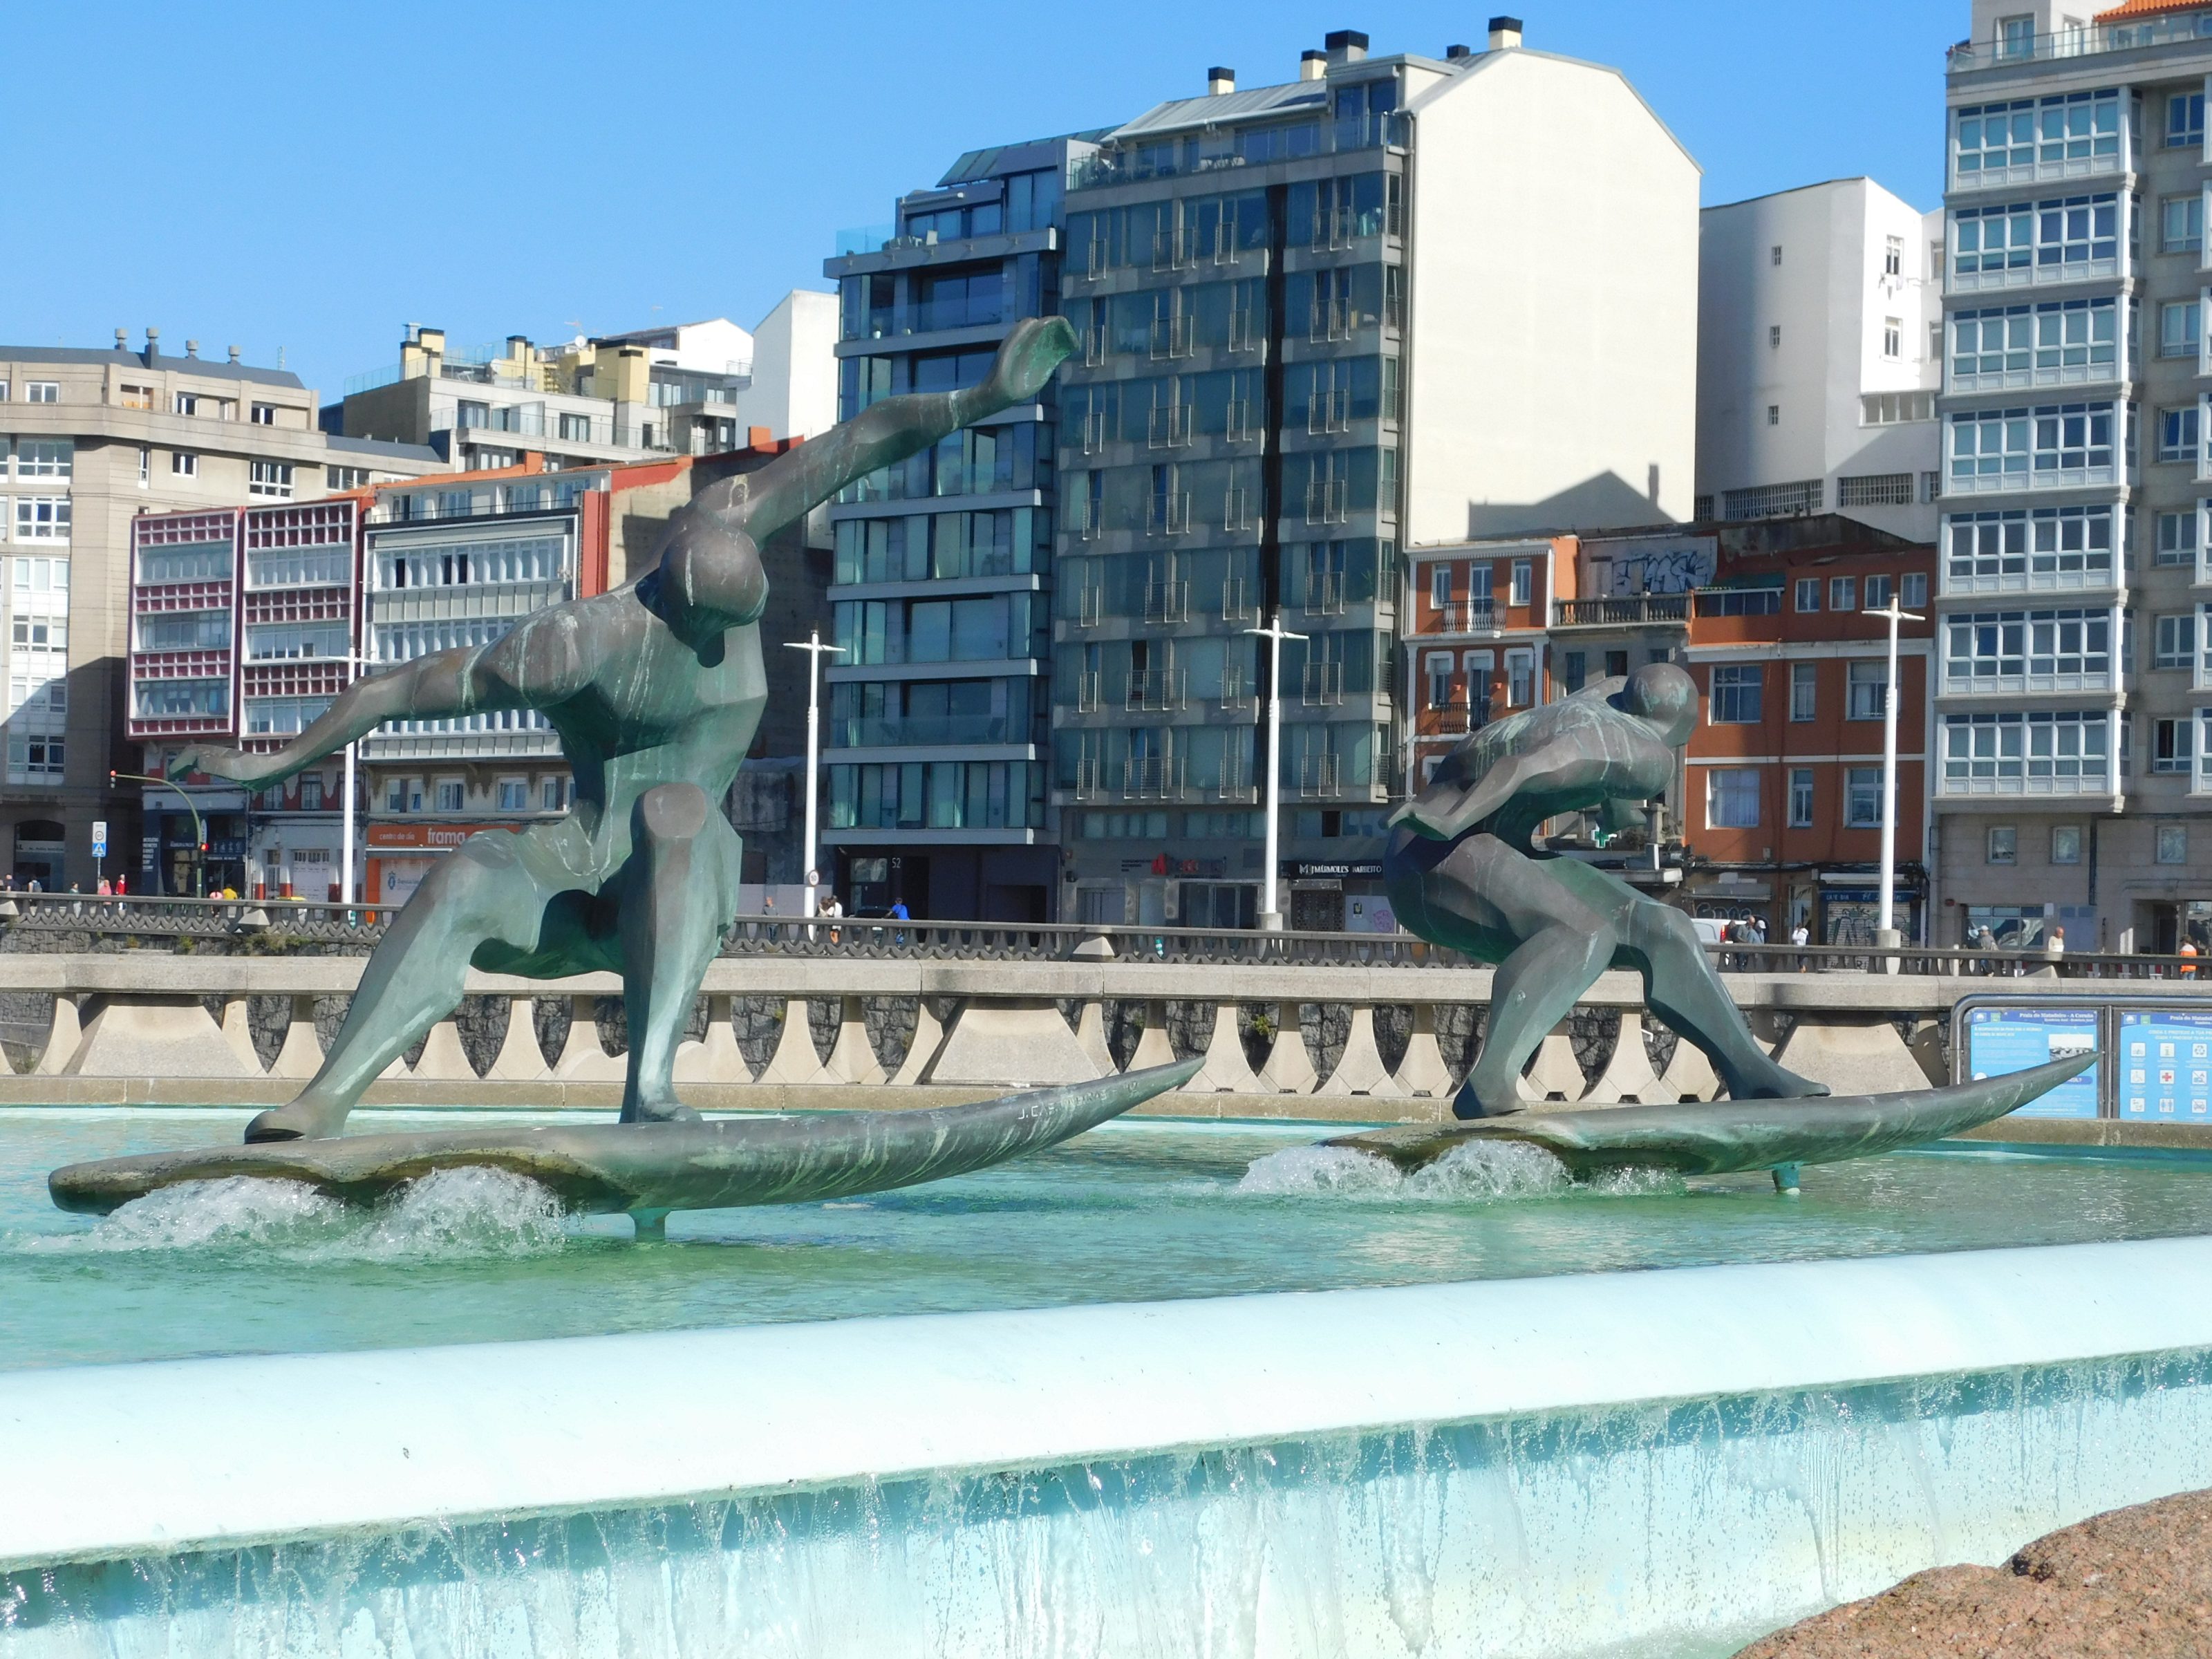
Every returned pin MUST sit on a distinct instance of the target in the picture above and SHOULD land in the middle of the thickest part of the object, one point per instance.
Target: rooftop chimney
(1504, 34)
(153, 345)
(1453, 54)
(234, 354)
(1312, 65)
(123, 340)
(1345, 45)
(192, 347)
(1221, 81)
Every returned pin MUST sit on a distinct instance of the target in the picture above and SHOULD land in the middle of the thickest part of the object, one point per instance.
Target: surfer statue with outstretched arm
(1461, 873)
(654, 688)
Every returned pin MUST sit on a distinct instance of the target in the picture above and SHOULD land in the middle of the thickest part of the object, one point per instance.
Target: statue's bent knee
(672, 812)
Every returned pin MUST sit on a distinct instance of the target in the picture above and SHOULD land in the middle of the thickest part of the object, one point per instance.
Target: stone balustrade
(1277, 1039)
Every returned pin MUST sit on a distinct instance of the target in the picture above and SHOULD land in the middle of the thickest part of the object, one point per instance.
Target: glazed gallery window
(2054, 546)
(2181, 224)
(1863, 798)
(1732, 797)
(2177, 433)
(2178, 328)
(1801, 797)
(2177, 537)
(1869, 683)
(2174, 641)
(1804, 690)
(2015, 442)
(2076, 230)
(2070, 127)
(1736, 694)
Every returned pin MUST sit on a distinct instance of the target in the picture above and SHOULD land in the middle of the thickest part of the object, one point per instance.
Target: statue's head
(1664, 695)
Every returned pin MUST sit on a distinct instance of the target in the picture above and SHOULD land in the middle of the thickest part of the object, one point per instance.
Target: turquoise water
(1135, 1211)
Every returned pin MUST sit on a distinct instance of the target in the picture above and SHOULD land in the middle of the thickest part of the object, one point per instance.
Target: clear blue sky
(312, 177)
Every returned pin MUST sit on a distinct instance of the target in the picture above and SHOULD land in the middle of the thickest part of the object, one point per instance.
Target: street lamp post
(1271, 918)
(199, 825)
(815, 652)
(1887, 937)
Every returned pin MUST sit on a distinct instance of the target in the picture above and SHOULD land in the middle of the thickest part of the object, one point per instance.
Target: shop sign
(436, 838)
(1308, 870)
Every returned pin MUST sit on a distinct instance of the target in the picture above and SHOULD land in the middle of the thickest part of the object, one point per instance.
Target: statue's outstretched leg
(1534, 989)
(678, 893)
(1680, 986)
(483, 892)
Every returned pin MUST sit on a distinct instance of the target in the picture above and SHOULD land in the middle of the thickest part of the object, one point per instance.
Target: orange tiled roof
(2146, 9)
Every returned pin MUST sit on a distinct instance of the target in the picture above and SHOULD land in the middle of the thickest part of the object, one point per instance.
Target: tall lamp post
(815, 652)
(1271, 918)
(1887, 937)
(199, 825)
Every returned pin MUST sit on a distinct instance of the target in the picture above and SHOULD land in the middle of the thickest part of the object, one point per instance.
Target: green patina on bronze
(654, 688)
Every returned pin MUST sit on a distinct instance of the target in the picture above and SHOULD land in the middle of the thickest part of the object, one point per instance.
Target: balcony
(1623, 610)
(1324, 683)
(1237, 602)
(1168, 513)
(1153, 777)
(1139, 163)
(1170, 336)
(1156, 689)
(2083, 40)
(1170, 428)
(1167, 601)
(927, 731)
(2042, 273)
(1458, 617)
(1090, 693)
(1325, 594)
(1321, 775)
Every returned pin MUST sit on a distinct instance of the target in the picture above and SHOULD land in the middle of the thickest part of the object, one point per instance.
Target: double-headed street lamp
(1885, 934)
(815, 652)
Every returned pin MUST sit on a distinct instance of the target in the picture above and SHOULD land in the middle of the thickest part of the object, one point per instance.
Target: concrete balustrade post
(64, 1032)
(158, 1036)
(795, 1063)
(714, 1058)
(852, 1057)
(1689, 1075)
(1017, 1042)
(1226, 1070)
(1090, 1035)
(1627, 1075)
(584, 1059)
(238, 1032)
(520, 1059)
(301, 1056)
(1361, 1071)
(1289, 1069)
(1154, 1046)
(1423, 1073)
(443, 1058)
(1555, 1075)
(922, 1051)
(1853, 1055)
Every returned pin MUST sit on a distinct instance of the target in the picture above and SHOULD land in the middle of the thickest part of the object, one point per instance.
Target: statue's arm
(1446, 812)
(765, 501)
(435, 687)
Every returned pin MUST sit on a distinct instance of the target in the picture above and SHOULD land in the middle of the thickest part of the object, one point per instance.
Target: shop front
(401, 855)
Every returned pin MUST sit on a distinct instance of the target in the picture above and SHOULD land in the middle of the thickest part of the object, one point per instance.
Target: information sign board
(2165, 1065)
(2012, 1038)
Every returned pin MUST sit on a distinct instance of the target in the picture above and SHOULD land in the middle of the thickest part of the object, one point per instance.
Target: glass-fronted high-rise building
(939, 707)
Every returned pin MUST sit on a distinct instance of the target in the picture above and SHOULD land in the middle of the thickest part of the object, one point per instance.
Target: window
(2048, 344)
(1867, 682)
(2181, 224)
(2177, 537)
(136, 397)
(310, 793)
(271, 478)
(145, 467)
(45, 458)
(450, 798)
(1893, 337)
(2177, 434)
(187, 403)
(42, 391)
(1804, 690)
(2050, 547)
(2170, 745)
(1732, 797)
(1524, 582)
(1736, 694)
(1896, 408)
(2173, 843)
(2078, 231)
(1843, 593)
(344, 478)
(1892, 257)
(1877, 592)
(265, 414)
(1875, 489)
(184, 463)
(1916, 590)
(1863, 798)
(1808, 594)
(1801, 797)
(2004, 844)
(1774, 254)
(1440, 666)
(42, 519)
(1774, 334)
(395, 795)
(513, 794)
(1774, 414)
(2185, 119)
(2174, 641)
(1440, 586)
(2066, 843)
(1520, 678)
(2177, 327)
(553, 795)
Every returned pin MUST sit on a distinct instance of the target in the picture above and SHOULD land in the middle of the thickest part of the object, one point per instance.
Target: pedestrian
(1801, 936)
(2056, 950)
(899, 913)
(833, 909)
(2188, 954)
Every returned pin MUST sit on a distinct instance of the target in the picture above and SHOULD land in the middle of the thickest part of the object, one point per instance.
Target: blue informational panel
(2012, 1039)
(2166, 1064)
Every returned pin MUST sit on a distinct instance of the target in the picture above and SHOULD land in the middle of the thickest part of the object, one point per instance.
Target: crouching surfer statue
(654, 688)
(1461, 873)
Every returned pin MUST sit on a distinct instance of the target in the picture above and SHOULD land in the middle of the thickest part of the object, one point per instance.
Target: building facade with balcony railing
(1237, 440)
(2072, 582)
(939, 705)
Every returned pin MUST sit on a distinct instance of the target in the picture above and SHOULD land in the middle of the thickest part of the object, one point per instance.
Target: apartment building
(686, 388)
(937, 729)
(326, 589)
(2073, 589)
(89, 439)
(1820, 351)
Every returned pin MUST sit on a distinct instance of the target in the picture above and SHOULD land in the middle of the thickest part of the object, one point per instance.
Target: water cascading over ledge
(1679, 1523)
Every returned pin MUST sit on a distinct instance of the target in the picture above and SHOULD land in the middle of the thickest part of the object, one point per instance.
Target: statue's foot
(1772, 1081)
(657, 1111)
(294, 1122)
(1467, 1104)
